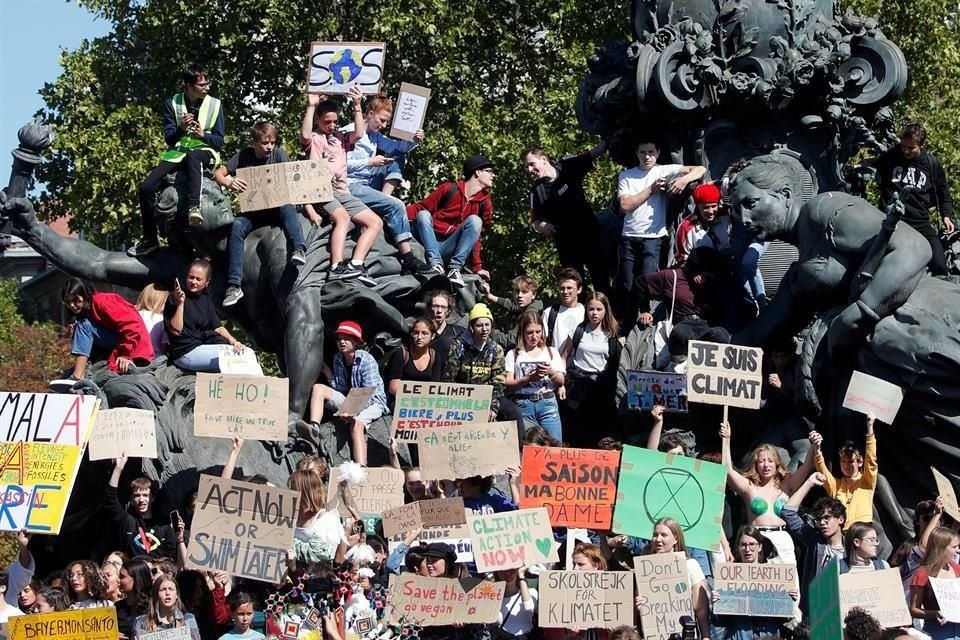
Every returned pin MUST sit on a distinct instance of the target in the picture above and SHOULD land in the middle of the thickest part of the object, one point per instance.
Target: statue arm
(898, 273)
(86, 260)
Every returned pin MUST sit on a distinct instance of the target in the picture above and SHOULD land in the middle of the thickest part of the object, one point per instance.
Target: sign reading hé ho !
(726, 374)
(249, 407)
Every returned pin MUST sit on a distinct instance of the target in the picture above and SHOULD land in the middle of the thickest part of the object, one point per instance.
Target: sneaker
(234, 293)
(336, 272)
(455, 278)
(309, 431)
(364, 277)
(63, 385)
(142, 248)
(299, 257)
(411, 264)
(435, 269)
(349, 271)
(194, 217)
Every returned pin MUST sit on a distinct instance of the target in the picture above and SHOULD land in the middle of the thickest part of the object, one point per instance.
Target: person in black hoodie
(141, 532)
(915, 175)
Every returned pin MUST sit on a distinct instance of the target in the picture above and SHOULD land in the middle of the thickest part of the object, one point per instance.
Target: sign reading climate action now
(724, 374)
(438, 404)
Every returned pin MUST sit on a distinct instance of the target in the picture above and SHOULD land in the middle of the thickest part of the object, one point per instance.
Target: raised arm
(228, 468)
(734, 479)
(933, 524)
(803, 472)
(653, 440)
(359, 126)
(306, 125)
(797, 497)
(821, 465)
(870, 467)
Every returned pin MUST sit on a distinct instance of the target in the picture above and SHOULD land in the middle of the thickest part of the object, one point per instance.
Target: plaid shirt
(364, 373)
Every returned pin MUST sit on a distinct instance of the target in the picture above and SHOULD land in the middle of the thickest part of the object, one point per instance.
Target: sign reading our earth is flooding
(334, 67)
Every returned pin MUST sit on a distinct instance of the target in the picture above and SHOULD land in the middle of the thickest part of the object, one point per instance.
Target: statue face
(762, 211)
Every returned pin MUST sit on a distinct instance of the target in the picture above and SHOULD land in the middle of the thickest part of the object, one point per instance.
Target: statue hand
(20, 211)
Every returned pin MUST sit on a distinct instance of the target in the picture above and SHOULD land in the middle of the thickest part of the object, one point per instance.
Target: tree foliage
(503, 74)
(30, 354)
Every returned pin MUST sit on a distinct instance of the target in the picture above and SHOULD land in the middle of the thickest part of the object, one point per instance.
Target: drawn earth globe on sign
(675, 493)
(345, 65)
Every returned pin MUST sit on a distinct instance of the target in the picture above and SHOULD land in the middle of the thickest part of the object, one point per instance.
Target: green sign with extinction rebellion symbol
(655, 485)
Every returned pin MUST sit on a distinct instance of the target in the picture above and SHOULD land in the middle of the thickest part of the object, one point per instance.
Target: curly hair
(93, 576)
(860, 625)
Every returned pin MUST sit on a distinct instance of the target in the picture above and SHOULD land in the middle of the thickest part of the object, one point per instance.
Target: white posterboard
(334, 67)
(866, 394)
(410, 111)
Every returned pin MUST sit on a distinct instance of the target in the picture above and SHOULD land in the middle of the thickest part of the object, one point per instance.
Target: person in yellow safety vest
(193, 129)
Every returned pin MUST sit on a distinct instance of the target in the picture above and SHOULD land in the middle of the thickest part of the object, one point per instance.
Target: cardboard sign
(99, 623)
(457, 536)
(273, 185)
(435, 602)
(662, 580)
(36, 479)
(725, 374)
(649, 389)
(577, 486)
(334, 67)
(438, 404)
(655, 485)
(383, 490)
(512, 539)
(754, 589)
(177, 633)
(356, 401)
(410, 111)
(585, 599)
(947, 591)
(47, 417)
(118, 431)
(945, 489)
(399, 520)
(423, 513)
(249, 407)
(866, 394)
(468, 450)
(243, 362)
(826, 623)
(880, 593)
(242, 528)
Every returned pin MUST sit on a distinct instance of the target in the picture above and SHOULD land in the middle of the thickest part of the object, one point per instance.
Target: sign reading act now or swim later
(249, 407)
(724, 374)
(242, 528)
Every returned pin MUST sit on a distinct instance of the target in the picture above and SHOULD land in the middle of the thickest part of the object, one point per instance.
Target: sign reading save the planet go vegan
(656, 485)
(334, 67)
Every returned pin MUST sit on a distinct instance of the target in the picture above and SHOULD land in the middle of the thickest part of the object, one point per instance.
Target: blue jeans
(392, 210)
(746, 253)
(204, 358)
(453, 249)
(544, 412)
(637, 257)
(244, 224)
(87, 333)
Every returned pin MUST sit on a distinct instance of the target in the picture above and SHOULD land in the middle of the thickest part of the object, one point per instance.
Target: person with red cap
(704, 228)
(353, 368)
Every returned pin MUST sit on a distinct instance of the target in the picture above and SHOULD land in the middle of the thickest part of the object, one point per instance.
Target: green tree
(503, 74)
(31, 354)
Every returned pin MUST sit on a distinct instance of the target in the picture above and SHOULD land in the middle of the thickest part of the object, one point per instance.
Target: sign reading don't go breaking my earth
(438, 404)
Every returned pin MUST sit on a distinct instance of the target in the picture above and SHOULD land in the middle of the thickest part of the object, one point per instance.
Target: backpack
(551, 324)
(452, 191)
(613, 349)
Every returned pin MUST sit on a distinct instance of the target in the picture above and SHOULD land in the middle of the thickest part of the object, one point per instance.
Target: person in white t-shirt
(535, 371)
(560, 320)
(642, 192)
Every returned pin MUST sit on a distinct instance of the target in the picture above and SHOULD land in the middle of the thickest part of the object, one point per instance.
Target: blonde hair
(675, 529)
(313, 493)
(754, 477)
(528, 318)
(940, 540)
(151, 299)
(316, 464)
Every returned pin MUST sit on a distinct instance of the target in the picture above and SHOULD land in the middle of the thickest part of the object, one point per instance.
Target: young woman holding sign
(861, 548)
(940, 562)
(165, 610)
(585, 557)
(668, 538)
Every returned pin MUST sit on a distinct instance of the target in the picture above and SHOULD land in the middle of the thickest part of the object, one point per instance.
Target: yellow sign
(83, 624)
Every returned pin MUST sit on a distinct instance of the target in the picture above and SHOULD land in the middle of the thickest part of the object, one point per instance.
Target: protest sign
(177, 633)
(46, 417)
(664, 590)
(98, 623)
(434, 602)
(273, 185)
(334, 67)
(585, 599)
(243, 362)
(356, 401)
(754, 589)
(879, 593)
(382, 490)
(945, 490)
(438, 404)
(423, 513)
(36, 479)
(457, 536)
(512, 539)
(649, 389)
(410, 111)
(826, 622)
(118, 431)
(249, 407)
(866, 394)
(654, 485)
(397, 520)
(725, 374)
(467, 450)
(242, 528)
(948, 597)
(577, 486)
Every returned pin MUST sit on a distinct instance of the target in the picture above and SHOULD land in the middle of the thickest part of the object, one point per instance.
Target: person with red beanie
(706, 227)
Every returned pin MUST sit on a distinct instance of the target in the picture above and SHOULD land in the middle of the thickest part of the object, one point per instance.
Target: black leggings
(193, 163)
(938, 263)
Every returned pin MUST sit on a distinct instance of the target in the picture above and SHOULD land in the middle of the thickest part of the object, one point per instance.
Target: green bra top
(759, 506)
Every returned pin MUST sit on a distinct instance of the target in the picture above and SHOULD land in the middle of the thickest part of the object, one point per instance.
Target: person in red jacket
(449, 222)
(107, 321)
